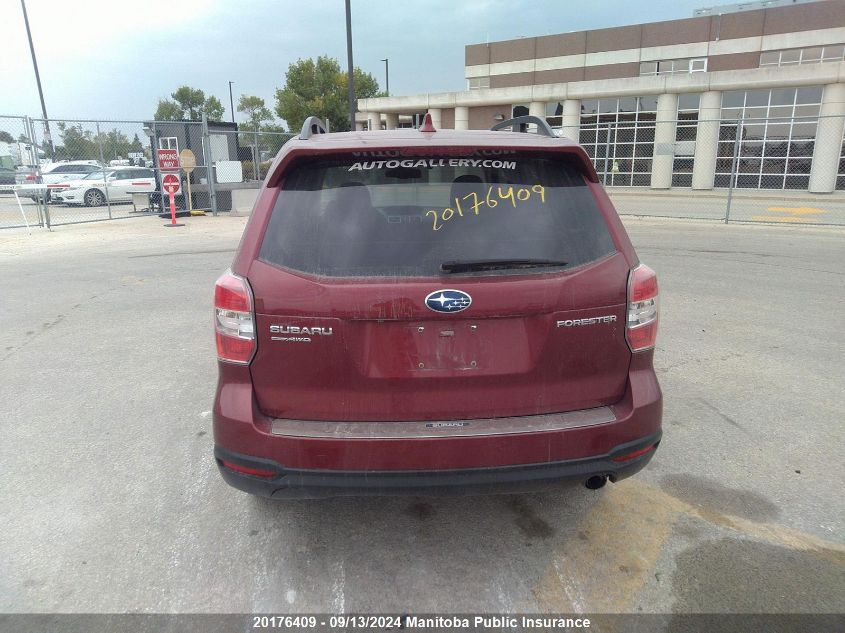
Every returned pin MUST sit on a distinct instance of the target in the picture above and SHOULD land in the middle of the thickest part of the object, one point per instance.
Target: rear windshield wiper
(497, 264)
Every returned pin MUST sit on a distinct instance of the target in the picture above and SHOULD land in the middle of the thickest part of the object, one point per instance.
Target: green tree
(137, 145)
(5, 137)
(168, 111)
(273, 140)
(189, 103)
(259, 119)
(255, 110)
(191, 100)
(115, 144)
(320, 88)
(213, 109)
(77, 143)
(366, 86)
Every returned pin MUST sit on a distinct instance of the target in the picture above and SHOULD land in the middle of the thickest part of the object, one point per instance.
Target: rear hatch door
(437, 289)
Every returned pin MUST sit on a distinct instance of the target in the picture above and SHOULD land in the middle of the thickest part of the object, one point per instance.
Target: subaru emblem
(448, 300)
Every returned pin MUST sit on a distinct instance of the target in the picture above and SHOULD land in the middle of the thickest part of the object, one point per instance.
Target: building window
(770, 58)
(840, 173)
(520, 109)
(168, 142)
(667, 67)
(476, 83)
(833, 53)
(648, 68)
(777, 132)
(686, 130)
(673, 67)
(554, 114)
(618, 134)
(797, 56)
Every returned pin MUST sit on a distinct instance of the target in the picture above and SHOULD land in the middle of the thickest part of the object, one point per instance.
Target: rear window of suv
(405, 217)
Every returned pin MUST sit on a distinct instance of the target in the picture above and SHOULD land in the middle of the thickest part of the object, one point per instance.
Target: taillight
(233, 319)
(641, 326)
(30, 177)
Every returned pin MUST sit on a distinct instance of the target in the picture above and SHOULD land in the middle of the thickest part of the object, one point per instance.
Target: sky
(115, 60)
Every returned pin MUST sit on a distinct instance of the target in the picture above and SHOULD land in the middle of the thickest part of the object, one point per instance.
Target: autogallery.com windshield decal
(433, 162)
(472, 202)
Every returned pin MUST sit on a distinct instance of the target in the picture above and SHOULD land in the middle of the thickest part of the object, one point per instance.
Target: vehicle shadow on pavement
(420, 554)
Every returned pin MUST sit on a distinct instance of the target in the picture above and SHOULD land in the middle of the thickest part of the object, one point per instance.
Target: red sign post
(168, 161)
(170, 183)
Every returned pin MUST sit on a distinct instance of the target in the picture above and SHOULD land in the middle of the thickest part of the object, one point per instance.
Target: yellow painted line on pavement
(796, 214)
(797, 210)
(603, 567)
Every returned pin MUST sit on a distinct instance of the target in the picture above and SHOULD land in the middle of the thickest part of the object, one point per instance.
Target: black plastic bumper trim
(296, 483)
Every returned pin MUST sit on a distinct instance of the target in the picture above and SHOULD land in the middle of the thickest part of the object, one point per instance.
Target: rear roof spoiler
(520, 124)
(313, 125)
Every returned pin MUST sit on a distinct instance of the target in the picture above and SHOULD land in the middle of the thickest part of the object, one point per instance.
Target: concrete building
(657, 104)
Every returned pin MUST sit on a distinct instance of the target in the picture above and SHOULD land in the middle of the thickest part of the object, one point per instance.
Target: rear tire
(94, 198)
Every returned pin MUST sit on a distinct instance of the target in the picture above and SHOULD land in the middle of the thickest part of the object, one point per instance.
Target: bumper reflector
(255, 472)
(637, 453)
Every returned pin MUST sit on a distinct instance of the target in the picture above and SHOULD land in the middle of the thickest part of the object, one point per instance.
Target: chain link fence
(17, 151)
(67, 171)
(744, 169)
(256, 150)
(772, 170)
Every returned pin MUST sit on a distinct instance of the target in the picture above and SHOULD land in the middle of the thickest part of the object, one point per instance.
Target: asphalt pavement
(112, 501)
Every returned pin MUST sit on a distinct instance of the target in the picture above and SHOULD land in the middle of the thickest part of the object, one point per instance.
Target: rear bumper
(304, 484)
(348, 459)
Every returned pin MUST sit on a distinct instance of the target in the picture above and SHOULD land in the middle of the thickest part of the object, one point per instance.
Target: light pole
(47, 138)
(231, 101)
(386, 77)
(153, 134)
(350, 70)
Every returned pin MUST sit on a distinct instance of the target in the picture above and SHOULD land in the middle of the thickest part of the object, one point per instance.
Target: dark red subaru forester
(425, 310)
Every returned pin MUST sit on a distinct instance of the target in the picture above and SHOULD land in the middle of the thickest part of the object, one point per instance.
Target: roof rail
(517, 122)
(313, 125)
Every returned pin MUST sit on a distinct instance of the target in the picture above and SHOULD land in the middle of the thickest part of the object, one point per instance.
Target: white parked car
(119, 183)
(55, 174)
